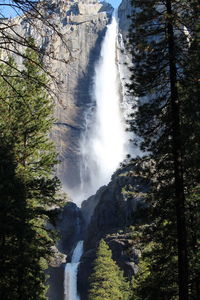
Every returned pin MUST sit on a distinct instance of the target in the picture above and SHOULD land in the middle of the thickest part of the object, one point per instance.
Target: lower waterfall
(70, 277)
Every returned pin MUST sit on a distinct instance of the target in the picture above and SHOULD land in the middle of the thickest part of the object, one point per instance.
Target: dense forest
(163, 42)
(29, 188)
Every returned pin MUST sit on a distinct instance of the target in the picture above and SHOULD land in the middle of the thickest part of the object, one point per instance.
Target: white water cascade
(71, 270)
(103, 142)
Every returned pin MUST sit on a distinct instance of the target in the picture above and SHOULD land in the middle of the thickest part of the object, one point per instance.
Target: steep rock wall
(124, 11)
(70, 37)
(85, 24)
(116, 210)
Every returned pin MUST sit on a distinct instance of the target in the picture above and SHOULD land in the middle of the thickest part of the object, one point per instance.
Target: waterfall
(104, 139)
(71, 270)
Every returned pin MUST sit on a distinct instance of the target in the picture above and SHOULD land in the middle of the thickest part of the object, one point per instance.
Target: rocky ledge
(116, 210)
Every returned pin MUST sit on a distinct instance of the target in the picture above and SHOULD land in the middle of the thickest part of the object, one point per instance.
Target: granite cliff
(124, 11)
(70, 42)
(119, 205)
(70, 37)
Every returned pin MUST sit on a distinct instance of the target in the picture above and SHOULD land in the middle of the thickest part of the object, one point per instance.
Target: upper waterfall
(104, 139)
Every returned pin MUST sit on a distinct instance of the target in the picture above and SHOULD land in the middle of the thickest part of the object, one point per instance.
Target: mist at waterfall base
(71, 270)
(103, 144)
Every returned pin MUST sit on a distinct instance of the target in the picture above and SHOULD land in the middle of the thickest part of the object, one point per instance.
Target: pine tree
(190, 90)
(107, 281)
(161, 51)
(156, 277)
(28, 184)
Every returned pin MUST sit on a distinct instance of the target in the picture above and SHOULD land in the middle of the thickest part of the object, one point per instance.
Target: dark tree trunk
(177, 157)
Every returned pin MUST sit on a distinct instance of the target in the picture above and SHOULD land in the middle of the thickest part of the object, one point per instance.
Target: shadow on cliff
(83, 100)
(86, 80)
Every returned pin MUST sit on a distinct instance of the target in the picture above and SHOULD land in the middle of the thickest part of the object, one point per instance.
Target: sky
(7, 12)
(115, 3)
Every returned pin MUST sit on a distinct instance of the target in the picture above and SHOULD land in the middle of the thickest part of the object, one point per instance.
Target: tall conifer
(28, 183)
(160, 42)
(107, 281)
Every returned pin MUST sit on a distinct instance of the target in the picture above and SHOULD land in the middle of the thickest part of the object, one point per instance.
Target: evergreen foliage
(107, 281)
(28, 186)
(164, 42)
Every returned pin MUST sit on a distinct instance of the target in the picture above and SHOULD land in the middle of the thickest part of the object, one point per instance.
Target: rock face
(123, 55)
(70, 225)
(118, 202)
(116, 210)
(71, 56)
(124, 11)
(84, 26)
(88, 206)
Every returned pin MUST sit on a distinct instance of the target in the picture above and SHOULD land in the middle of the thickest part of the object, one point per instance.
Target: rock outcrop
(124, 11)
(118, 202)
(116, 210)
(70, 225)
(124, 57)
